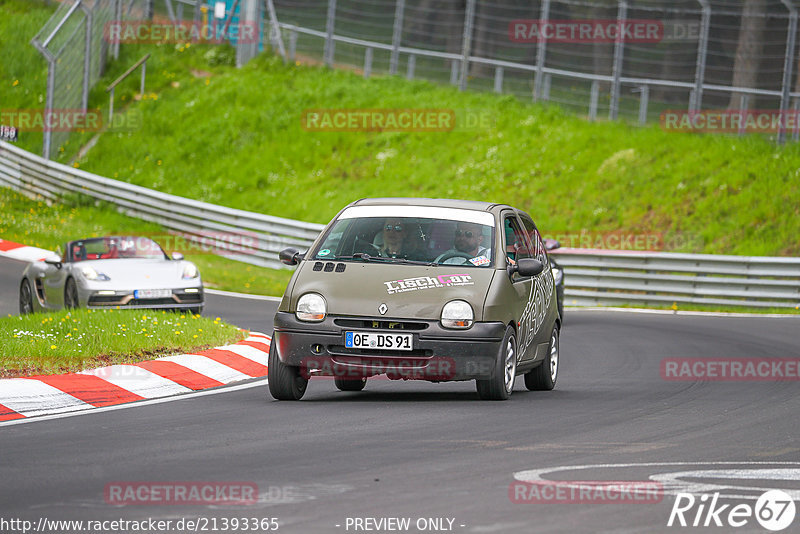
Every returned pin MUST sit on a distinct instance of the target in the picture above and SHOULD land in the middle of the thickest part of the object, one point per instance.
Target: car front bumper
(438, 354)
(179, 299)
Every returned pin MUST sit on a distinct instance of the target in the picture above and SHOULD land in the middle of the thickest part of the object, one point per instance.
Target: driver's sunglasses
(468, 234)
(396, 228)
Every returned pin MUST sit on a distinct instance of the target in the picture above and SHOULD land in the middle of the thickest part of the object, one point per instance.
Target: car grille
(381, 355)
(383, 324)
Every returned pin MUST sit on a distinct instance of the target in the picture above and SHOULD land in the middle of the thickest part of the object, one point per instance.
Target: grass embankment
(69, 341)
(29, 222)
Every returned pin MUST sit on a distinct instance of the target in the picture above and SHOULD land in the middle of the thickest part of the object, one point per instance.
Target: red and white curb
(21, 398)
(17, 251)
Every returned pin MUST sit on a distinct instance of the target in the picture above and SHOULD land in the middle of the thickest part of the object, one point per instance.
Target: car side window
(515, 241)
(537, 245)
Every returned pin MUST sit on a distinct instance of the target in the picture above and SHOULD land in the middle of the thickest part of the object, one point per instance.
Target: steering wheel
(453, 254)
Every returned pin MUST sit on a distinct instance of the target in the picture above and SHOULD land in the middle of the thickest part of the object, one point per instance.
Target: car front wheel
(545, 375)
(285, 381)
(71, 294)
(500, 386)
(25, 298)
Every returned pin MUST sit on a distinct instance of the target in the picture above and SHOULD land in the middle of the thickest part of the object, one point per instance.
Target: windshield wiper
(366, 257)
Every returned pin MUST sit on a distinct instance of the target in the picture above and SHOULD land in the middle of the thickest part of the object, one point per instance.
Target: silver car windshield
(408, 240)
(106, 248)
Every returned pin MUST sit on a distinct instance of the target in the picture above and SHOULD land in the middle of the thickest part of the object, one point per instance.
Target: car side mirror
(290, 256)
(53, 259)
(527, 267)
(177, 256)
(551, 244)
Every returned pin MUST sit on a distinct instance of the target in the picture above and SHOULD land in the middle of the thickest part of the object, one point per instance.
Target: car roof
(431, 202)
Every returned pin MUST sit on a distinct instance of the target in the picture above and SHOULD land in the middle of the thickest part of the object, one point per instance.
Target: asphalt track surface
(419, 450)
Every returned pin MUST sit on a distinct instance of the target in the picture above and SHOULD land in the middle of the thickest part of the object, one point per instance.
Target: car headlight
(190, 271)
(457, 314)
(558, 275)
(90, 274)
(311, 307)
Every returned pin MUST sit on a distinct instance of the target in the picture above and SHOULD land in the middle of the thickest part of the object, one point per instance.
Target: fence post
(397, 34)
(541, 50)
(275, 29)
(117, 20)
(292, 44)
(466, 44)
(248, 14)
(696, 97)
(454, 72)
(788, 63)
(329, 44)
(87, 58)
(148, 9)
(619, 51)
(367, 62)
(796, 132)
(48, 107)
(412, 63)
(743, 103)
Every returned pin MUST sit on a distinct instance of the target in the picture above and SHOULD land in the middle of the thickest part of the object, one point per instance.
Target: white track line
(679, 312)
(241, 295)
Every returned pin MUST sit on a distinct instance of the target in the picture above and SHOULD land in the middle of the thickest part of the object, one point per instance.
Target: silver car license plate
(152, 293)
(378, 341)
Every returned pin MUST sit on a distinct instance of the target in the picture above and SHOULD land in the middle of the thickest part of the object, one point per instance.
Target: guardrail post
(466, 44)
(644, 90)
(788, 64)
(796, 134)
(397, 35)
(412, 62)
(541, 50)
(367, 62)
(329, 25)
(594, 95)
(498, 79)
(696, 97)
(117, 20)
(548, 79)
(743, 103)
(454, 72)
(292, 44)
(619, 52)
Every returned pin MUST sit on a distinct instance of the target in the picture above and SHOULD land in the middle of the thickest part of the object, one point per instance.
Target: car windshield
(106, 248)
(408, 234)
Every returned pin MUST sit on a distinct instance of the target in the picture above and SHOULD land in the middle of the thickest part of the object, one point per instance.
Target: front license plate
(378, 341)
(152, 293)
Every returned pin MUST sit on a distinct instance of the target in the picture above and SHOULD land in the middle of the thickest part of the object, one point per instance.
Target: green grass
(34, 223)
(70, 341)
(238, 141)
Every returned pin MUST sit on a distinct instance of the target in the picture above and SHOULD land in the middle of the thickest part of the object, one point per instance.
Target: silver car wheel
(510, 365)
(554, 355)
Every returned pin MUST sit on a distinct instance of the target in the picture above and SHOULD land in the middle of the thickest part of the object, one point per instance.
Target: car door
(542, 286)
(516, 247)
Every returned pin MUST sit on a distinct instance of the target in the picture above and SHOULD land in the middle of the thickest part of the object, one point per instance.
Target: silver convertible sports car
(110, 272)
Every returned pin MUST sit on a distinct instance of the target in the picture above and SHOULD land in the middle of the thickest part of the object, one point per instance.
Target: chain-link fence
(690, 55)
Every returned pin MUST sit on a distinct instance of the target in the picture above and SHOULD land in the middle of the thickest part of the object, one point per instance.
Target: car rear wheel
(285, 381)
(71, 294)
(543, 377)
(500, 386)
(345, 384)
(25, 297)
(196, 311)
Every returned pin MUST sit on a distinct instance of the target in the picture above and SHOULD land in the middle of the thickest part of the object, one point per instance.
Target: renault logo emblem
(383, 308)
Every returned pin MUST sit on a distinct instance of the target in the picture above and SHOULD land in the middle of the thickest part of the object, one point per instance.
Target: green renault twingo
(419, 289)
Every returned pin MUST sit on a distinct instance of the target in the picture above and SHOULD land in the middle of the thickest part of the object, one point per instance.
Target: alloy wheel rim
(554, 357)
(25, 299)
(510, 365)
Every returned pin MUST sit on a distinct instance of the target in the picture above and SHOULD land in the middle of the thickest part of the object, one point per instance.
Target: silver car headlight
(90, 274)
(558, 275)
(190, 271)
(457, 314)
(311, 308)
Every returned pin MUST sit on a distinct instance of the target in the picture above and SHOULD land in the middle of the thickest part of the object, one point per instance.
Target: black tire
(345, 384)
(501, 385)
(544, 376)
(25, 297)
(71, 300)
(285, 381)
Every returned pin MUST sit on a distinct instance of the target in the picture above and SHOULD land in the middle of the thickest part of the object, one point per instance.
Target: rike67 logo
(774, 510)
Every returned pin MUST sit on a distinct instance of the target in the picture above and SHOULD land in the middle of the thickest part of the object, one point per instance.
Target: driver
(467, 243)
(394, 239)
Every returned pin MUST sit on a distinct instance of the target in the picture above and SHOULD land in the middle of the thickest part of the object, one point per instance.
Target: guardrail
(602, 278)
(593, 277)
(263, 235)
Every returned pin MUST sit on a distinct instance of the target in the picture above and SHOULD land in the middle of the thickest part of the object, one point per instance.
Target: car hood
(131, 274)
(409, 291)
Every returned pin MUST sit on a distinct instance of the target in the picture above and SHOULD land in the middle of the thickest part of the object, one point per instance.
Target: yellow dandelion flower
(52, 346)
(16, 83)
(195, 336)
(76, 164)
